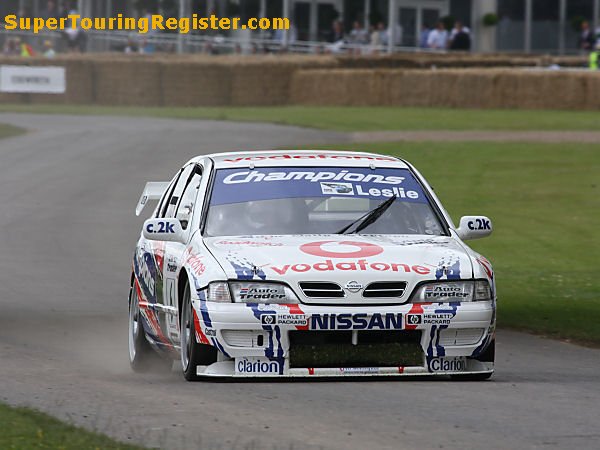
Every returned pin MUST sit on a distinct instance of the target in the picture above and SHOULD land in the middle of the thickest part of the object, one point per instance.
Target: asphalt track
(67, 229)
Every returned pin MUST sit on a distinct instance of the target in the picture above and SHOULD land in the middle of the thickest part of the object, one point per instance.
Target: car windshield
(317, 200)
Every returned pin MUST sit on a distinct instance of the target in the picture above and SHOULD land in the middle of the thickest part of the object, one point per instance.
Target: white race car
(309, 264)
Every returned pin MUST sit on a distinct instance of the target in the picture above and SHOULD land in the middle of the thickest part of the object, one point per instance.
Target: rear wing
(153, 191)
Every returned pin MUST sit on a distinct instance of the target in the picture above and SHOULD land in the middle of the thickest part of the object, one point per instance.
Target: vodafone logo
(343, 249)
(354, 254)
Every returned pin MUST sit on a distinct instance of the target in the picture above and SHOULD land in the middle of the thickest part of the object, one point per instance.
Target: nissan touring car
(308, 264)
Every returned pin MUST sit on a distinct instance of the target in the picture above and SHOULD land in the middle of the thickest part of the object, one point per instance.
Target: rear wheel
(192, 353)
(141, 354)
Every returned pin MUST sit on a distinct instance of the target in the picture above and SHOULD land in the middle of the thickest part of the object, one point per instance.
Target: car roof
(291, 158)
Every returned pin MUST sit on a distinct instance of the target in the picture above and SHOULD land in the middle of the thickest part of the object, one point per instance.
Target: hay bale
(196, 84)
(336, 87)
(454, 88)
(133, 82)
(591, 85)
(261, 85)
(203, 80)
(407, 87)
(266, 81)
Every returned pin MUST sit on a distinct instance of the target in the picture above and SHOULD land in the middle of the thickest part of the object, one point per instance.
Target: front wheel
(193, 354)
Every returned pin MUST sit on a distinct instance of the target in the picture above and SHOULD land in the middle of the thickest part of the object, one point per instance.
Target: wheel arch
(182, 280)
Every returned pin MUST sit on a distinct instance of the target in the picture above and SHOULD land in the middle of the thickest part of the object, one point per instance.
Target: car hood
(351, 261)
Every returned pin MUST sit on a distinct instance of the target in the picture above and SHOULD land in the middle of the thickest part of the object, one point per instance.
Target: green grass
(24, 429)
(544, 200)
(7, 131)
(352, 119)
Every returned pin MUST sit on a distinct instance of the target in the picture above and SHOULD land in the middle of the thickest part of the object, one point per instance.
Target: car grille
(334, 349)
(385, 289)
(321, 289)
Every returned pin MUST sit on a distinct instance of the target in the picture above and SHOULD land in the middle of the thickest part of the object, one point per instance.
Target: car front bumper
(264, 340)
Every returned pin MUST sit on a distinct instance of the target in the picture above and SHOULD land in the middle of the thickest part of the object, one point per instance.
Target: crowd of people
(459, 38)
(357, 39)
(73, 40)
(378, 36)
(17, 47)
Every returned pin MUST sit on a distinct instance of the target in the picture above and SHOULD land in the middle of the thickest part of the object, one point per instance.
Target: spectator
(595, 58)
(398, 31)
(424, 36)
(292, 35)
(11, 48)
(146, 14)
(438, 38)
(336, 33)
(75, 36)
(26, 49)
(359, 35)
(587, 40)
(49, 50)
(209, 48)
(461, 39)
(379, 35)
(8, 49)
(146, 47)
(131, 46)
(458, 26)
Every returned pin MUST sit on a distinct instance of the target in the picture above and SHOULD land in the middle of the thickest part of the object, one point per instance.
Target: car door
(181, 205)
(148, 268)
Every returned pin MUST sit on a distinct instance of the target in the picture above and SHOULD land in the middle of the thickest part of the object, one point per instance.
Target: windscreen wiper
(370, 217)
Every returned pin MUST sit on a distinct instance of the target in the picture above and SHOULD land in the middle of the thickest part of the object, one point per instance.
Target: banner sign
(33, 80)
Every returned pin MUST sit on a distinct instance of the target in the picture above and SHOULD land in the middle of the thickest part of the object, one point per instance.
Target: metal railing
(244, 43)
(241, 43)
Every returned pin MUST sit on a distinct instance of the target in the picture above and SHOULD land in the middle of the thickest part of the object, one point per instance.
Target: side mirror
(169, 230)
(474, 227)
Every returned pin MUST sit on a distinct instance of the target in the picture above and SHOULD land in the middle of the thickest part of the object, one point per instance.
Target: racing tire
(193, 354)
(141, 354)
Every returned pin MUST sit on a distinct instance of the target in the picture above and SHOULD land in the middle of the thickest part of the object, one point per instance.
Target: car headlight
(262, 293)
(218, 291)
(482, 291)
(453, 291)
